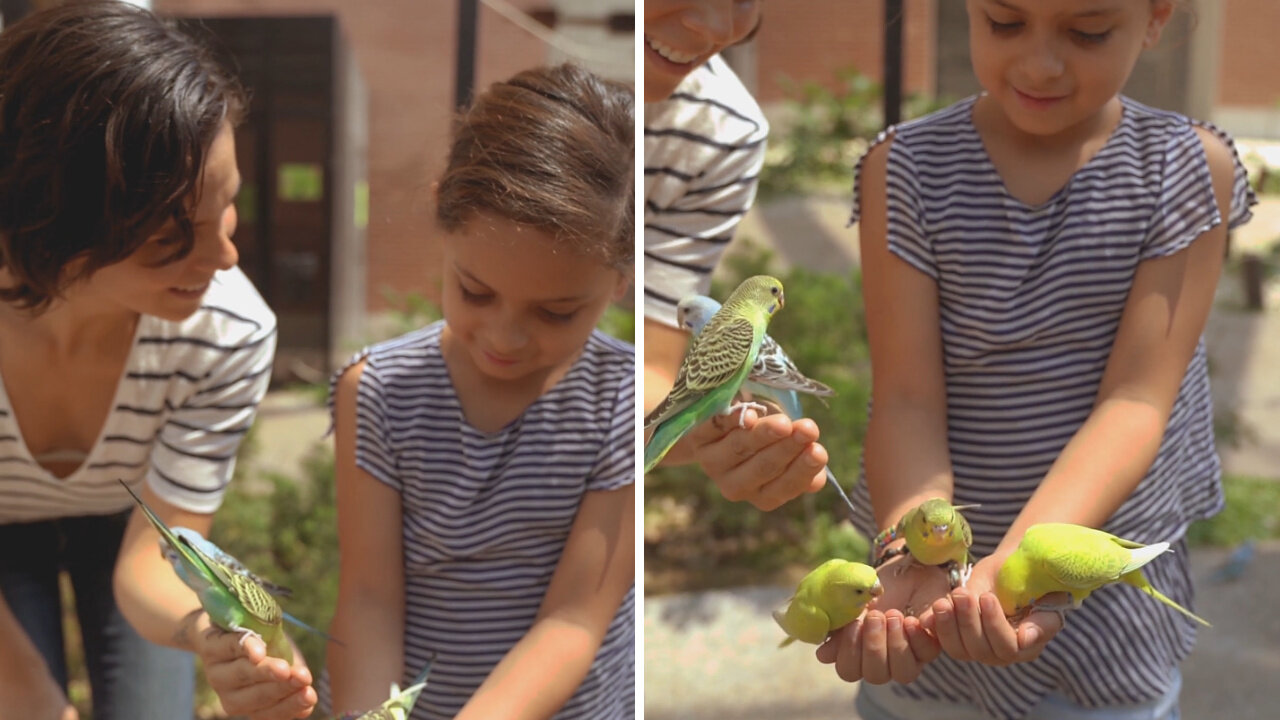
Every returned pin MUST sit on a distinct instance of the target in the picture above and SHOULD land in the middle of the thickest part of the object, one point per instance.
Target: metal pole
(892, 61)
(468, 11)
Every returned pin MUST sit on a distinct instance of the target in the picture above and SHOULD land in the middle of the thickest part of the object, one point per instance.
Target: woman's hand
(250, 683)
(970, 625)
(889, 642)
(766, 462)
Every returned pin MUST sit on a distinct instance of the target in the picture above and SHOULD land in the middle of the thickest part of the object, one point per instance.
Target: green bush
(696, 538)
(822, 132)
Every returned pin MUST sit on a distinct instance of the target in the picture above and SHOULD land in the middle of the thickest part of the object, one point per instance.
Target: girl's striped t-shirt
(486, 515)
(1030, 299)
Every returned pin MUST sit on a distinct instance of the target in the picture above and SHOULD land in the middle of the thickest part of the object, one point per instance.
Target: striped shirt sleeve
(195, 451)
(615, 465)
(704, 148)
(1187, 206)
(374, 452)
(904, 209)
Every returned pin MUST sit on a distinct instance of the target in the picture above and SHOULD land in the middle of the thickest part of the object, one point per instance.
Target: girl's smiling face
(519, 303)
(1051, 65)
(680, 35)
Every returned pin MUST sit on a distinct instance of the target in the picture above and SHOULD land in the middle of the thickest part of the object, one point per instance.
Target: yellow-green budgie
(715, 365)
(935, 533)
(1060, 557)
(828, 598)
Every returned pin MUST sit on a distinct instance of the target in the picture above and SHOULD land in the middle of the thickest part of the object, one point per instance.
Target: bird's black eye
(774, 290)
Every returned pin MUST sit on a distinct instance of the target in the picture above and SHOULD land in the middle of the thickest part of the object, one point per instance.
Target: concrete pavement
(714, 655)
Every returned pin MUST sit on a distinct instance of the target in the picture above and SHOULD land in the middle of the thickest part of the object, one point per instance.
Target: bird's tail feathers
(1144, 585)
(664, 438)
(298, 623)
(1140, 556)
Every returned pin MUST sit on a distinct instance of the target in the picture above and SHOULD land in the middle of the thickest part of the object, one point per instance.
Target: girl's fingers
(923, 646)
(221, 646)
(875, 649)
(1000, 635)
(849, 657)
(947, 631)
(903, 665)
(969, 622)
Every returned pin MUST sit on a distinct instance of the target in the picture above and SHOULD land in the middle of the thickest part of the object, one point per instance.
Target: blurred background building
(349, 123)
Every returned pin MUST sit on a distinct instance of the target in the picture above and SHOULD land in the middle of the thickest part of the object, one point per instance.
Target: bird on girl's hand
(935, 533)
(1061, 557)
(831, 596)
(401, 702)
(715, 365)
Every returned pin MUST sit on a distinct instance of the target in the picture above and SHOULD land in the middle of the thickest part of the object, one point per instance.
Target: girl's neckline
(516, 421)
(1054, 198)
(94, 450)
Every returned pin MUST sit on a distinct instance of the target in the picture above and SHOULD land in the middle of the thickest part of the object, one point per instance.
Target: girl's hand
(889, 642)
(970, 625)
(767, 462)
(251, 684)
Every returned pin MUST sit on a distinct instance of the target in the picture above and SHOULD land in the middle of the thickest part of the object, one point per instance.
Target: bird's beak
(940, 531)
(877, 589)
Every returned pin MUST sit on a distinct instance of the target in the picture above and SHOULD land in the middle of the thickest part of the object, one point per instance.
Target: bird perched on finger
(401, 702)
(831, 596)
(773, 375)
(935, 533)
(235, 599)
(1077, 560)
(715, 365)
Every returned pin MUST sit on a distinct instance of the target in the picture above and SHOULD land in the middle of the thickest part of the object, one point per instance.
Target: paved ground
(713, 656)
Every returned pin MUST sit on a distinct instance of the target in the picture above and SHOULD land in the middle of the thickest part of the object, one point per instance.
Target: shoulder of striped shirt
(233, 309)
(711, 96)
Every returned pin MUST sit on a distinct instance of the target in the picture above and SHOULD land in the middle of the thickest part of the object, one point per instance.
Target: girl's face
(680, 35)
(143, 283)
(1053, 64)
(518, 303)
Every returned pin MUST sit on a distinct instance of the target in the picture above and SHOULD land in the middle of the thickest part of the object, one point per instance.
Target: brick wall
(812, 39)
(1250, 54)
(405, 51)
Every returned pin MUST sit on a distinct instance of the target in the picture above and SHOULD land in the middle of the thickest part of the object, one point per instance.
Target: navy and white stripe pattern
(1030, 301)
(189, 393)
(486, 515)
(703, 150)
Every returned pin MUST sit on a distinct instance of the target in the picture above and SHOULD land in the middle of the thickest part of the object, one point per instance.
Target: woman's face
(680, 35)
(143, 282)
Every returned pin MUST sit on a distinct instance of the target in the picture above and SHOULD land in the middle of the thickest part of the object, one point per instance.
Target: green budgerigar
(235, 601)
(935, 533)
(773, 374)
(1061, 557)
(828, 598)
(401, 702)
(715, 366)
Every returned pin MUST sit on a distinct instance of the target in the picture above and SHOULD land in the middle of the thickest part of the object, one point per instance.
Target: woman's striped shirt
(486, 515)
(1030, 300)
(189, 392)
(703, 150)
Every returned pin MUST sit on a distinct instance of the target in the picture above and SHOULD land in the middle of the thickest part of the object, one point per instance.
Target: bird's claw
(742, 409)
(246, 633)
